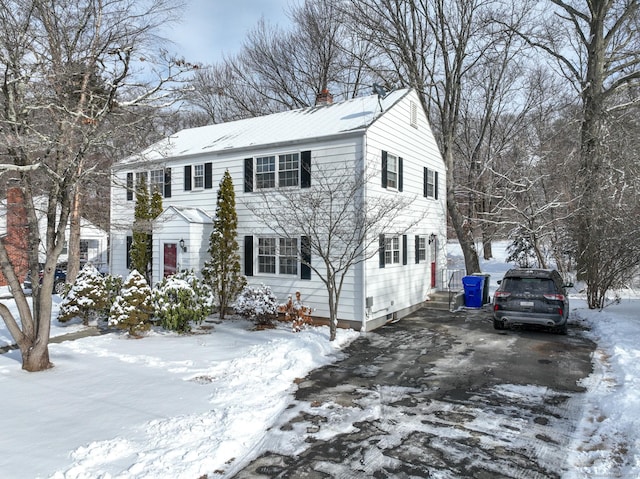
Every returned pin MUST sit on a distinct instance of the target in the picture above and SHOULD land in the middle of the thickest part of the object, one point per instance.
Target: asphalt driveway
(438, 395)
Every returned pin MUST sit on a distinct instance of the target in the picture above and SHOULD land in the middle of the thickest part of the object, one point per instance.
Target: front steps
(440, 300)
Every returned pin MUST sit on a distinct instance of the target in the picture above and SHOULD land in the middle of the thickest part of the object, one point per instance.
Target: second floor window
(288, 170)
(392, 171)
(265, 172)
(198, 176)
(156, 181)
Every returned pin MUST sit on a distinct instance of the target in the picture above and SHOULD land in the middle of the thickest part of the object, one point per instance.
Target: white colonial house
(390, 133)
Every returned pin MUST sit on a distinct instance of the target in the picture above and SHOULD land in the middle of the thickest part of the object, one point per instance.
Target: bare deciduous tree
(282, 69)
(438, 47)
(73, 73)
(596, 47)
(340, 226)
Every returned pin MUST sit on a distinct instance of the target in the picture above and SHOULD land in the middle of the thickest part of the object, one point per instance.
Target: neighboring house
(391, 133)
(13, 222)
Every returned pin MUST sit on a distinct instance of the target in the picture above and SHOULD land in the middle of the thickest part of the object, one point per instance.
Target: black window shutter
(248, 175)
(425, 179)
(129, 186)
(435, 185)
(404, 249)
(187, 178)
(248, 255)
(305, 172)
(417, 249)
(399, 174)
(381, 250)
(208, 175)
(167, 182)
(129, 243)
(384, 169)
(305, 254)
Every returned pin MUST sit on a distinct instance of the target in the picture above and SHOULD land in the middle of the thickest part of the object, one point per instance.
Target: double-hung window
(392, 171)
(430, 183)
(156, 181)
(267, 255)
(288, 256)
(392, 250)
(289, 169)
(421, 248)
(198, 176)
(265, 172)
(278, 256)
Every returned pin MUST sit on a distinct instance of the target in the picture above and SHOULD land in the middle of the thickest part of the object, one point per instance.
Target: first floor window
(288, 256)
(422, 248)
(392, 250)
(267, 255)
(278, 255)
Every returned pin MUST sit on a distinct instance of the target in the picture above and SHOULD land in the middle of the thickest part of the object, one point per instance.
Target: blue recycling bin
(473, 289)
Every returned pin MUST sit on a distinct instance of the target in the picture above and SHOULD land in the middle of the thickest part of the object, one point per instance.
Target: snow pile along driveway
(162, 406)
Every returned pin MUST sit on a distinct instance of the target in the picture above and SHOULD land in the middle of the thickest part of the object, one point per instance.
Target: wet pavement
(437, 394)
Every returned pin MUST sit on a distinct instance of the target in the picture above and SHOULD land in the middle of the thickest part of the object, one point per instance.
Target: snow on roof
(302, 124)
(191, 215)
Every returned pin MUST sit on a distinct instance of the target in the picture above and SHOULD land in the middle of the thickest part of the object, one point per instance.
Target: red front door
(170, 259)
(433, 242)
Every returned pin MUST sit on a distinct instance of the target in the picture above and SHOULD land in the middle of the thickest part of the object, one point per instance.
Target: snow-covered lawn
(171, 406)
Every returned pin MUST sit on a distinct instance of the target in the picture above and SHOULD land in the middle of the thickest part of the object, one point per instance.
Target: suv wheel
(497, 324)
(58, 287)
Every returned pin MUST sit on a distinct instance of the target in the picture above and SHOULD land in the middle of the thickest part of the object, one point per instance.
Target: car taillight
(501, 294)
(554, 297)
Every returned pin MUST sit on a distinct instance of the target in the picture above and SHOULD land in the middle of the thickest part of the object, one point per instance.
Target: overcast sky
(213, 28)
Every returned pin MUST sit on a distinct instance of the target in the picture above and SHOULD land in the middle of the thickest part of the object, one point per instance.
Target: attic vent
(413, 114)
(324, 98)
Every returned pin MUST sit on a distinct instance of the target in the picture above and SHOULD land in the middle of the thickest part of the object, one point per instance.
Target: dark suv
(58, 283)
(531, 296)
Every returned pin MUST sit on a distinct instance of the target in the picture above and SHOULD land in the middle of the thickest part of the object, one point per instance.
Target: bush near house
(180, 300)
(258, 304)
(296, 312)
(133, 308)
(87, 297)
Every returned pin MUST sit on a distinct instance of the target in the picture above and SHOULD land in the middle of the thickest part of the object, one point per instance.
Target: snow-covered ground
(171, 406)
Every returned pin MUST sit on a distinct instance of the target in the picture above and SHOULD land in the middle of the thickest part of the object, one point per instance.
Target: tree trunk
(73, 256)
(36, 358)
(460, 224)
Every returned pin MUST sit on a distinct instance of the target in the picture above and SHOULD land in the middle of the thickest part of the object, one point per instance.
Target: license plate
(528, 304)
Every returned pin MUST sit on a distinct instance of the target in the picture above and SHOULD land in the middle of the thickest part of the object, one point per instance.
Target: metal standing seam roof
(295, 125)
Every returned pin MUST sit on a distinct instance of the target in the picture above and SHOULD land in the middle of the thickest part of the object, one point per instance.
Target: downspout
(363, 264)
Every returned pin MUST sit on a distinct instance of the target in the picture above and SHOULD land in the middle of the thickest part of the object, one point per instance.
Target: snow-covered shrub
(133, 308)
(87, 297)
(181, 299)
(297, 312)
(113, 285)
(257, 303)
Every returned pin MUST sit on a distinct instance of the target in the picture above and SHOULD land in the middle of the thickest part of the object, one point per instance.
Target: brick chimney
(16, 239)
(324, 98)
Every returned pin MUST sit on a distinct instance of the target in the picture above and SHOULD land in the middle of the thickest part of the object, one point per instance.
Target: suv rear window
(529, 285)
